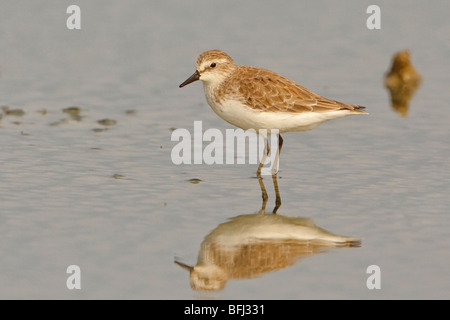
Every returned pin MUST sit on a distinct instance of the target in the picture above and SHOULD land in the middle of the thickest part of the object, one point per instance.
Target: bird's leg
(277, 194)
(265, 197)
(263, 160)
(277, 156)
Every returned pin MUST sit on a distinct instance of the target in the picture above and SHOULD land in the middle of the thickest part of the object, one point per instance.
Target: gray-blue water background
(112, 202)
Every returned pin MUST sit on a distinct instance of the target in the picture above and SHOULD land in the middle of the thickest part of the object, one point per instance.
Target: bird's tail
(355, 109)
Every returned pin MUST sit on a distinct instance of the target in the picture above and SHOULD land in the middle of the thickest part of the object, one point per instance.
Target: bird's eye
(213, 65)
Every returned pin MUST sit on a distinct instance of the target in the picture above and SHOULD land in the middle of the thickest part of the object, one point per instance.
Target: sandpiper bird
(255, 98)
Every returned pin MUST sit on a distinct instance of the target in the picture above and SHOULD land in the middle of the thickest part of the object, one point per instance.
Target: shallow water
(110, 200)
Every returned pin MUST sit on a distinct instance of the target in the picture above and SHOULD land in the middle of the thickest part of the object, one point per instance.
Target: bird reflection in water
(402, 81)
(250, 245)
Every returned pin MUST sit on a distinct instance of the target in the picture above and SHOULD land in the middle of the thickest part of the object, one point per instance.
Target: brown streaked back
(264, 90)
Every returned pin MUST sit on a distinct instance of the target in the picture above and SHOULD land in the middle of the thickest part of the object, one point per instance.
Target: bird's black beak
(184, 266)
(192, 78)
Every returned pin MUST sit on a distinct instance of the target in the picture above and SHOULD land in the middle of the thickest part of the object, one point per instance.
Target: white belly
(246, 118)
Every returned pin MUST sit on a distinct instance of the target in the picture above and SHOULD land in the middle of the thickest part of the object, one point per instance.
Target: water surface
(112, 202)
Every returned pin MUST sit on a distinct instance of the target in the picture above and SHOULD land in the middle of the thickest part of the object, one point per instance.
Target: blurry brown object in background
(402, 81)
